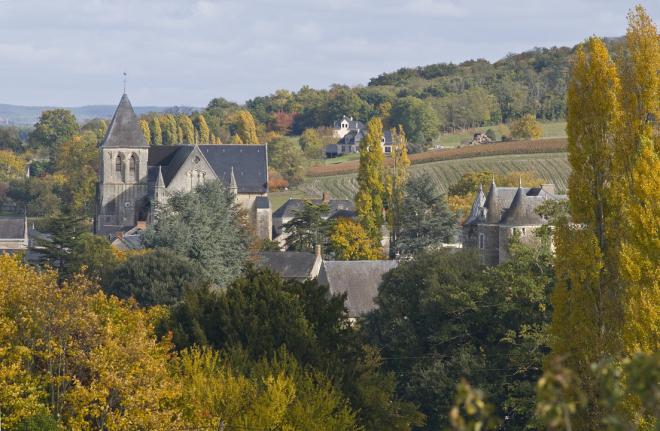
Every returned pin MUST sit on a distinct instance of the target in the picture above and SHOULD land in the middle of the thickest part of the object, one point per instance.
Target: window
(482, 241)
(118, 164)
(132, 167)
(388, 149)
(524, 231)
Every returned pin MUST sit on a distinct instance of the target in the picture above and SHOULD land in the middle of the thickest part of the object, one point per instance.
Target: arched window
(132, 168)
(118, 164)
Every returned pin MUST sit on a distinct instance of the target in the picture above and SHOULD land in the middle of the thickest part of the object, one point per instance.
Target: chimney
(548, 188)
(326, 197)
(317, 250)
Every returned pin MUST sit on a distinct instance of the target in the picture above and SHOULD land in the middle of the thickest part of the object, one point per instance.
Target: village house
(135, 177)
(505, 211)
(350, 135)
(292, 265)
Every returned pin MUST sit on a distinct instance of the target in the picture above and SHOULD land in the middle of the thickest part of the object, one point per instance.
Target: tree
(206, 226)
(442, 317)
(117, 374)
(89, 254)
(203, 128)
(246, 128)
(526, 128)
(425, 217)
(349, 241)
(312, 145)
(53, 128)
(156, 131)
(307, 228)
(77, 161)
(57, 249)
(157, 278)
(636, 184)
(187, 134)
(369, 197)
(260, 313)
(418, 119)
(286, 157)
(170, 130)
(10, 139)
(12, 166)
(395, 185)
(144, 126)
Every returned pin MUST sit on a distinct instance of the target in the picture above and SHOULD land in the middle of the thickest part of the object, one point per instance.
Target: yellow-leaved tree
(607, 298)
(369, 197)
(246, 129)
(396, 183)
(349, 241)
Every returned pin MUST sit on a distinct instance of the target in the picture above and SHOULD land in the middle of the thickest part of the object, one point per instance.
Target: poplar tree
(187, 133)
(396, 182)
(144, 125)
(369, 198)
(156, 132)
(203, 128)
(246, 128)
(170, 130)
(587, 314)
(637, 183)
(607, 299)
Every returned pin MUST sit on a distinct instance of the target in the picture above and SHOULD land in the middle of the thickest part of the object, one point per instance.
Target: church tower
(123, 180)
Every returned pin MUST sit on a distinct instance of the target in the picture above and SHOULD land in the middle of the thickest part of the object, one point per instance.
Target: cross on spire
(124, 82)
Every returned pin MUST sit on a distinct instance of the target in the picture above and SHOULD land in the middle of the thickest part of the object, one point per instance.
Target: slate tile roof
(124, 130)
(12, 228)
(358, 279)
(289, 264)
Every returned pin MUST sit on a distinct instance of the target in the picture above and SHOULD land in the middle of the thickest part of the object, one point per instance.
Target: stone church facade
(134, 177)
(505, 211)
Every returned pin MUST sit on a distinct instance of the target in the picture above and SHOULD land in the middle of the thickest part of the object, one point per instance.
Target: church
(134, 176)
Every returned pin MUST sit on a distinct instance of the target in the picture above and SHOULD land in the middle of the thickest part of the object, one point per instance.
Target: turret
(492, 205)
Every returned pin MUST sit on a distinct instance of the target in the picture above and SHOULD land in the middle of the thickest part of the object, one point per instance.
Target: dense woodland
(188, 334)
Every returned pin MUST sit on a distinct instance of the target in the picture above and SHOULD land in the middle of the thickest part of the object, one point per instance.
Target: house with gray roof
(350, 143)
(13, 234)
(134, 176)
(345, 125)
(290, 208)
(358, 279)
(292, 265)
(504, 212)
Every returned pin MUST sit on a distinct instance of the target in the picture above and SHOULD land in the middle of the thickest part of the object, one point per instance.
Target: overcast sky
(185, 52)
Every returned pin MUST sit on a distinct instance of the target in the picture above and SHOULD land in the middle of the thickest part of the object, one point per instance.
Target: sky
(186, 52)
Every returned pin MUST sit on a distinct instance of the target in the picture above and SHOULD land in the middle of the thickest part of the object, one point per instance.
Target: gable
(188, 169)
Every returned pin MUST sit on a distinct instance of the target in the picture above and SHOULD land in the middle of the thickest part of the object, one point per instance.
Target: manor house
(495, 218)
(134, 176)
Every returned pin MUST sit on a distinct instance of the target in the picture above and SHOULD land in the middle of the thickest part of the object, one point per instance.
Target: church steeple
(233, 187)
(124, 130)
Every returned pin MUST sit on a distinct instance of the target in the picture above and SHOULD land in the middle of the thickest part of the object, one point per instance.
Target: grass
(552, 167)
(551, 129)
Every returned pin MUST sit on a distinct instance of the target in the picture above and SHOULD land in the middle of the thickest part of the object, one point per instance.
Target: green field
(555, 129)
(552, 167)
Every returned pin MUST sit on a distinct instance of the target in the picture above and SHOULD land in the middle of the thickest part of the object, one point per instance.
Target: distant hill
(28, 115)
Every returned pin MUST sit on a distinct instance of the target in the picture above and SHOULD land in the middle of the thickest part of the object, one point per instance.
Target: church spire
(124, 130)
(159, 180)
(233, 187)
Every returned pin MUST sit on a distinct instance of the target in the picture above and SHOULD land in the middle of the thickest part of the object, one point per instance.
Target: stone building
(134, 176)
(494, 218)
(350, 134)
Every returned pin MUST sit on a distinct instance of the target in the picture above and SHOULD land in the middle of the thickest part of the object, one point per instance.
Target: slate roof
(262, 202)
(292, 206)
(124, 130)
(513, 206)
(359, 279)
(352, 124)
(289, 264)
(12, 228)
(250, 163)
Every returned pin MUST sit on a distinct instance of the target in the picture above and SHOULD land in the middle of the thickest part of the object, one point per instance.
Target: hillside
(552, 167)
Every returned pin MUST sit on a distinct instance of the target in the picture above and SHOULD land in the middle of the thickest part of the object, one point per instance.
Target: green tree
(53, 128)
(312, 145)
(10, 139)
(56, 250)
(442, 317)
(426, 220)
(419, 120)
(160, 277)
(77, 162)
(90, 254)
(286, 157)
(307, 228)
(98, 126)
(369, 197)
(206, 226)
(526, 128)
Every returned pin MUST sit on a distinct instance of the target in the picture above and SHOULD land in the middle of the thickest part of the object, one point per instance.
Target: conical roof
(159, 180)
(492, 205)
(478, 203)
(522, 212)
(124, 130)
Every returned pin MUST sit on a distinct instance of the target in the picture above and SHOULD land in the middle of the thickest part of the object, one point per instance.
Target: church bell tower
(123, 180)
